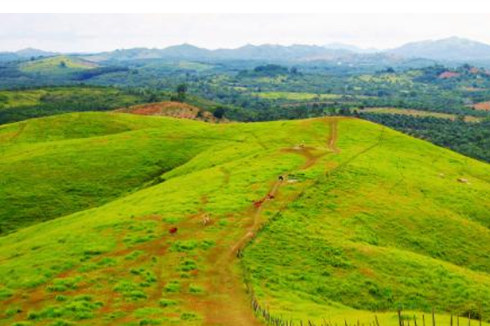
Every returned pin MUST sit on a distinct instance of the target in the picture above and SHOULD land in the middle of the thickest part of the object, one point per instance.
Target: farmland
(419, 113)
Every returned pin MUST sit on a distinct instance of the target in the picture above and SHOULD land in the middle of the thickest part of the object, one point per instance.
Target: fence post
(376, 319)
(451, 319)
(415, 320)
(423, 319)
(480, 313)
(469, 318)
(433, 318)
(399, 317)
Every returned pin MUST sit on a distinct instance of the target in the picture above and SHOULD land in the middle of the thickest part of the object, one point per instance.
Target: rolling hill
(23, 54)
(18, 105)
(171, 109)
(448, 49)
(62, 64)
(330, 220)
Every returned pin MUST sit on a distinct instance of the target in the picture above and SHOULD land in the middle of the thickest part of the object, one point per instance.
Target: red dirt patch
(171, 109)
(482, 106)
(448, 74)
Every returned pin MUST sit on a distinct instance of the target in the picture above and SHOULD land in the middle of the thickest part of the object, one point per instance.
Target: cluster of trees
(269, 70)
(91, 73)
(469, 138)
(78, 99)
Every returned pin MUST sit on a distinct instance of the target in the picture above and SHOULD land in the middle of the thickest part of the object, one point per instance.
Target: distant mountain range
(350, 47)
(453, 49)
(25, 54)
(247, 52)
(448, 49)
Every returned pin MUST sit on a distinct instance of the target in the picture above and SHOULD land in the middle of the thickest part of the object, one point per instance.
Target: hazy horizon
(106, 32)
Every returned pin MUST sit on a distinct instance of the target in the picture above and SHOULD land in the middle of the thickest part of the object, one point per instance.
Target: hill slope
(363, 219)
(59, 165)
(451, 49)
(171, 109)
(62, 64)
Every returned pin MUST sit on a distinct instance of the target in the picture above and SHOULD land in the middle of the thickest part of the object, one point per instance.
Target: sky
(103, 32)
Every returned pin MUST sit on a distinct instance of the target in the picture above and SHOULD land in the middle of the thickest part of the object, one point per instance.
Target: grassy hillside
(171, 109)
(18, 105)
(55, 166)
(364, 219)
(57, 65)
(419, 113)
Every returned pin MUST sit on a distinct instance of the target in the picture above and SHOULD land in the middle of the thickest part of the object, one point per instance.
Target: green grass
(296, 96)
(380, 224)
(57, 65)
(55, 166)
(419, 113)
(18, 105)
(9, 99)
(379, 234)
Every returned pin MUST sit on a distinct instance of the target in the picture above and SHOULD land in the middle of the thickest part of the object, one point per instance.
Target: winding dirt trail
(307, 153)
(228, 302)
(231, 304)
(333, 136)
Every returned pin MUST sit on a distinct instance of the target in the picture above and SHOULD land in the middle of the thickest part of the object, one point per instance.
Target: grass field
(18, 105)
(419, 113)
(57, 65)
(9, 99)
(364, 220)
(296, 96)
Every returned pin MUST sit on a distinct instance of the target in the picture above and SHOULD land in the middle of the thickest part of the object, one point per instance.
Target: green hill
(18, 105)
(55, 166)
(364, 220)
(57, 65)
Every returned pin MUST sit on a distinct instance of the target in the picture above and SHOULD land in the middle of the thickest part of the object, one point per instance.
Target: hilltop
(448, 49)
(320, 219)
(62, 64)
(171, 109)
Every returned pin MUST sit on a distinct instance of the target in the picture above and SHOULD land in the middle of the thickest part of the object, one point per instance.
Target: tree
(62, 64)
(219, 112)
(181, 92)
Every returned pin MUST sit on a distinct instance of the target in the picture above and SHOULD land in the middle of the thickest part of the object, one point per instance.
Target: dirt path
(333, 136)
(307, 152)
(231, 305)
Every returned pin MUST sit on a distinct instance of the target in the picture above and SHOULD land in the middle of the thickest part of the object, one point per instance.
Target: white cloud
(99, 32)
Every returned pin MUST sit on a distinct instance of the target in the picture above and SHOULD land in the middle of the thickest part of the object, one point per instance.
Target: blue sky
(100, 32)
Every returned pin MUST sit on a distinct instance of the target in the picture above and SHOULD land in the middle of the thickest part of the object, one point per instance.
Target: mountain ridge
(453, 49)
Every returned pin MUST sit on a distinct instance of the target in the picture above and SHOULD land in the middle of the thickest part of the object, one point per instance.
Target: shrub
(173, 286)
(167, 302)
(193, 288)
(189, 316)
